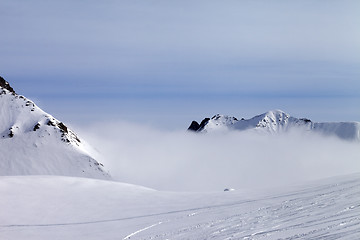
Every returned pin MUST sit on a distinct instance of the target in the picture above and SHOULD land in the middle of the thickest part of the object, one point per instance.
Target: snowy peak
(272, 121)
(20, 115)
(34, 142)
(272, 118)
(277, 121)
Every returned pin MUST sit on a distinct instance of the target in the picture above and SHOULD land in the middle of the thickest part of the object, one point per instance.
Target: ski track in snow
(141, 230)
(325, 212)
(123, 219)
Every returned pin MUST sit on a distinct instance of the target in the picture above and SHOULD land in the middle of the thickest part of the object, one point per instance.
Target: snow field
(53, 207)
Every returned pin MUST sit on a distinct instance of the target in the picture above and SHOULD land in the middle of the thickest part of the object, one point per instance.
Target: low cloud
(184, 161)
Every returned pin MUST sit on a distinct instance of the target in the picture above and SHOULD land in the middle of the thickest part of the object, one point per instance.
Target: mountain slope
(278, 121)
(34, 142)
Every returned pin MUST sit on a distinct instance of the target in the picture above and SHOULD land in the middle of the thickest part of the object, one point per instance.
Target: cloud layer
(182, 161)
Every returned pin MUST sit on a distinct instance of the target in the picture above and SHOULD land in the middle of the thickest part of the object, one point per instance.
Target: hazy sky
(168, 62)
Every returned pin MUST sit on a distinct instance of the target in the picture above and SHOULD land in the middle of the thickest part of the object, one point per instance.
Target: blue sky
(168, 62)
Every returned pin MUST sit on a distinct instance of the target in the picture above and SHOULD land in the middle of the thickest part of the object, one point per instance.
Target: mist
(185, 161)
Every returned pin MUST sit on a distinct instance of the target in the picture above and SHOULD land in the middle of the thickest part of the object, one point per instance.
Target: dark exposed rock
(36, 127)
(50, 123)
(62, 127)
(203, 123)
(194, 126)
(29, 103)
(11, 134)
(305, 120)
(6, 85)
(77, 139)
(66, 135)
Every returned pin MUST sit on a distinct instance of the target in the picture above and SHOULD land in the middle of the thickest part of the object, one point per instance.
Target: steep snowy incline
(34, 142)
(53, 207)
(277, 121)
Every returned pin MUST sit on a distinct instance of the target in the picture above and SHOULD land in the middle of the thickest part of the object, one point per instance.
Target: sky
(166, 63)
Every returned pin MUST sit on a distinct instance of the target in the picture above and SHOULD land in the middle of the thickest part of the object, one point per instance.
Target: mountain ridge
(277, 121)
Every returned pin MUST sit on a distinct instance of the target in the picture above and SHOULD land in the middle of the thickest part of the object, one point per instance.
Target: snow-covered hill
(278, 121)
(32, 142)
(53, 207)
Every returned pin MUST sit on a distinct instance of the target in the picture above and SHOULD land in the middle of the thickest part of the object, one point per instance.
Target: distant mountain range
(32, 142)
(277, 121)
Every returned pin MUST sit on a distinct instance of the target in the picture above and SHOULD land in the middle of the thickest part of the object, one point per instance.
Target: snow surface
(277, 121)
(54, 207)
(34, 142)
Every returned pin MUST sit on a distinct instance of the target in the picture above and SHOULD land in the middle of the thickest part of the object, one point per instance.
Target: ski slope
(54, 207)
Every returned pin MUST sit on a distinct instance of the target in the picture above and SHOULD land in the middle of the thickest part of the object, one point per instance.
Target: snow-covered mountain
(277, 121)
(32, 142)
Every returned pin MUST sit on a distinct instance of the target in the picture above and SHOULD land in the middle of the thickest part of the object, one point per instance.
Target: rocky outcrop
(4, 84)
(196, 127)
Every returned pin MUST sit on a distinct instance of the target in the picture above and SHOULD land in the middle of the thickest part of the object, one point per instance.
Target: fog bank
(184, 161)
